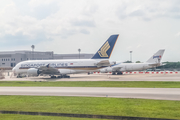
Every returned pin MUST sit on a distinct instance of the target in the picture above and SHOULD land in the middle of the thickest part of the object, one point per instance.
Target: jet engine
(66, 71)
(105, 70)
(33, 72)
(112, 62)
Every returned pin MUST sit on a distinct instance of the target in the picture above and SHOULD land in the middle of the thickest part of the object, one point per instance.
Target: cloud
(84, 31)
(86, 23)
(65, 33)
(90, 9)
(137, 13)
(149, 10)
(138, 46)
(121, 11)
(65, 26)
(38, 9)
(19, 39)
(178, 34)
(44, 10)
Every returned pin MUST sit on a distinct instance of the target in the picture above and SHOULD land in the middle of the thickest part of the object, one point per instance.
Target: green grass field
(36, 117)
(92, 105)
(142, 84)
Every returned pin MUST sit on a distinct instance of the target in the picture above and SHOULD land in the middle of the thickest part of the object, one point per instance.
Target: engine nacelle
(112, 62)
(105, 70)
(67, 71)
(33, 72)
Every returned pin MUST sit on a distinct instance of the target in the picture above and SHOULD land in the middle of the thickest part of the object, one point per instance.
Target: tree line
(166, 65)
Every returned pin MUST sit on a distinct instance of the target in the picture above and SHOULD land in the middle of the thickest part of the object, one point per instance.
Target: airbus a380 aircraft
(118, 68)
(71, 66)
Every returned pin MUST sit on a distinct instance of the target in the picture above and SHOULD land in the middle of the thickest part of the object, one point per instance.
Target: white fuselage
(63, 66)
(128, 67)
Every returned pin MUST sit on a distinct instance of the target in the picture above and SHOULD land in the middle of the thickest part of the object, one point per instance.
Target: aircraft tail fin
(106, 49)
(156, 58)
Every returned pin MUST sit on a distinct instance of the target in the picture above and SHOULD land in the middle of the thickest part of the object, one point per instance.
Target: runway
(102, 77)
(144, 93)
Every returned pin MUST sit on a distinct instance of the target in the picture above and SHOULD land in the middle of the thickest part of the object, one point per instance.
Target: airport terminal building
(8, 59)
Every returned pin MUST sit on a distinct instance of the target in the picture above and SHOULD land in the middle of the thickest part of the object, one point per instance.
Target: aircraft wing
(116, 68)
(48, 70)
(104, 63)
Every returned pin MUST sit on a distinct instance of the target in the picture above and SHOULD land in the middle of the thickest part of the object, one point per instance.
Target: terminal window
(13, 64)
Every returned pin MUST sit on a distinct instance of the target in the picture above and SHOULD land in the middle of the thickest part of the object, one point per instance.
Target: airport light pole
(131, 56)
(32, 46)
(79, 52)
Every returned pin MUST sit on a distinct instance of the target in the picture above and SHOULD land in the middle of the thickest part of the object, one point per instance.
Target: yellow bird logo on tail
(104, 49)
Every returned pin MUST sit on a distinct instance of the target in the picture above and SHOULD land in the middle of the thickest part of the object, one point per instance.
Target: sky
(64, 26)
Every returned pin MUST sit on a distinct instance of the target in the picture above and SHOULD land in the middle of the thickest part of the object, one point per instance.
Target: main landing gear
(117, 73)
(20, 76)
(61, 76)
(53, 76)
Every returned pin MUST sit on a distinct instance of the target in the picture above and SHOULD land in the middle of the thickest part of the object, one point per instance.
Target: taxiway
(144, 93)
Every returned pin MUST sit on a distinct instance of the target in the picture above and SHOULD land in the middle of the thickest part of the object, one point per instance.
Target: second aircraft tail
(156, 58)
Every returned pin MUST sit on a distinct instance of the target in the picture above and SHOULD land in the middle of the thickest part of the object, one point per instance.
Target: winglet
(106, 49)
(156, 58)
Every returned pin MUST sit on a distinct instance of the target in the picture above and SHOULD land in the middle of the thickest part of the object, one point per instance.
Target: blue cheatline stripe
(116, 64)
(69, 67)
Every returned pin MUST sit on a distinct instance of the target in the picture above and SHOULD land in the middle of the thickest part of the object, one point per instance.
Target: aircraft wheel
(66, 76)
(53, 76)
(119, 73)
(59, 76)
(113, 73)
